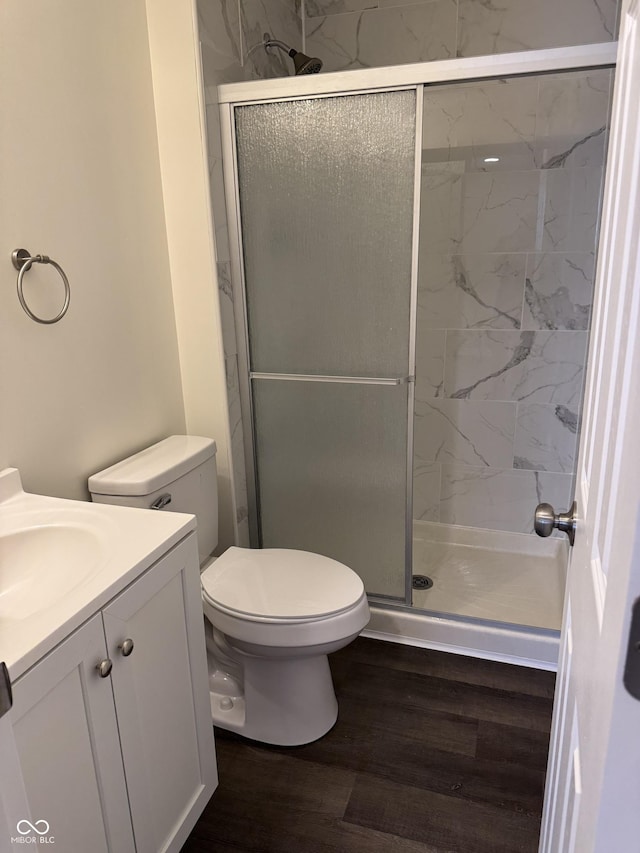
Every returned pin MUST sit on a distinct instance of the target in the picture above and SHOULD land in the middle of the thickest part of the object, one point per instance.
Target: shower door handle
(546, 521)
(347, 380)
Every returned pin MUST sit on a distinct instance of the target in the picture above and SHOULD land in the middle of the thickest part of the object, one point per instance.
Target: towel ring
(23, 261)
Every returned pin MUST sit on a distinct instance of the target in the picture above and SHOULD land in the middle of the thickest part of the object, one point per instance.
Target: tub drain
(421, 582)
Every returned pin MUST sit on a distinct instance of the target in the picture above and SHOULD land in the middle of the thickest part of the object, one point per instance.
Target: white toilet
(272, 615)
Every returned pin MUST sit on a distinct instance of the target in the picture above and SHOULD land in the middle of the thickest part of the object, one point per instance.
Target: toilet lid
(280, 583)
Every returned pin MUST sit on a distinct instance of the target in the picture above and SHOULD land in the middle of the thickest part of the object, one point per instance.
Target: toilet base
(286, 701)
(227, 712)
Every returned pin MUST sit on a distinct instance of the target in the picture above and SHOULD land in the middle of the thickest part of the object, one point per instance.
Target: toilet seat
(240, 609)
(280, 585)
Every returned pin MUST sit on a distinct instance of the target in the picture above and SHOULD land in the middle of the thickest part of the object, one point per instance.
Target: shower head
(305, 64)
(302, 63)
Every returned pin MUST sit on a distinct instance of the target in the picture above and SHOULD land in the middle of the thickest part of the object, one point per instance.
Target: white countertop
(129, 541)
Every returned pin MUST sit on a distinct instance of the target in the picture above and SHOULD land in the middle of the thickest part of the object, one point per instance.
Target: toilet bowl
(277, 614)
(271, 615)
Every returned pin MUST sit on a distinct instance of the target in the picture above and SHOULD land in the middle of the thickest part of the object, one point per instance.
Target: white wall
(178, 90)
(80, 181)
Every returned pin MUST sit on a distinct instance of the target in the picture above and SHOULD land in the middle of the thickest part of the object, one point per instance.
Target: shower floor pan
(495, 595)
(486, 574)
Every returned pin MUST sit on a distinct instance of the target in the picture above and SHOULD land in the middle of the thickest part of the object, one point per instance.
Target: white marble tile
(478, 120)
(545, 438)
(320, 8)
(499, 499)
(392, 36)
(539, 367)
(426, 490)
(235, 426)
(219, 30)
(571, 122)
(237, 442)
(499, 212)
(216, 184)
(571, 202)
(440, 207)
(225, 293)
(470, 291)
(486, 27)
(233, 391)
(385, 4)
(430, 348)
(470, 432)
(558, 290)
(214, 140)
(282, 22)
(244, 540)
(242, 511)
(488, 157)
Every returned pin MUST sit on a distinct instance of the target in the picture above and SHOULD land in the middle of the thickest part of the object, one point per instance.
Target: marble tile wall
(231, 35)
(506, 270)
(231, 32)
(368, 33)
(221, 50)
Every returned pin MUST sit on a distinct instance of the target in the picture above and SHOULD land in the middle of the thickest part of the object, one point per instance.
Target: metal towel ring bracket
(23, 261)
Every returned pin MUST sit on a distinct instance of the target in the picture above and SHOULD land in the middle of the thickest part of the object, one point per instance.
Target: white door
(592, 800)
(161, 691)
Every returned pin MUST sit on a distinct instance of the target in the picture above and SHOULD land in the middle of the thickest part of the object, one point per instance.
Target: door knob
(546, 521)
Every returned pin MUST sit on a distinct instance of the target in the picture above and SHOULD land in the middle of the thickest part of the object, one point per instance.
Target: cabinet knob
(104, 667)
(126, 647)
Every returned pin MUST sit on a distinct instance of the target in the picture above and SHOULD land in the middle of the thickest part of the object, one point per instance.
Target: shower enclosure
(413, 254)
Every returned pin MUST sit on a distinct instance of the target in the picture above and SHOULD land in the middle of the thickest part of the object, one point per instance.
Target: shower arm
(302, 63)
(269, 42)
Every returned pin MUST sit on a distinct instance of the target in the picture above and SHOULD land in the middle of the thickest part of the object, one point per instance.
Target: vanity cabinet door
(161, 692)
(14, 805)
(66, 734)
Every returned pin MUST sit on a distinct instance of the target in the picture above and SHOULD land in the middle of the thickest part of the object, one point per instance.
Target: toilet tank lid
(154, 467)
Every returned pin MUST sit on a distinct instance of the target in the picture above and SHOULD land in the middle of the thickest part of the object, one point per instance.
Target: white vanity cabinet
(13, 799)
(124, 760)
(66, 733)
(161, 692)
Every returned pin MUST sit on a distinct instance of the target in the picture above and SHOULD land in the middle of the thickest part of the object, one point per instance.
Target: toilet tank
(177, 474)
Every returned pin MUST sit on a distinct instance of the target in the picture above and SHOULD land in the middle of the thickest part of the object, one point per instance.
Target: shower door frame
(362, 82)
(246, 375)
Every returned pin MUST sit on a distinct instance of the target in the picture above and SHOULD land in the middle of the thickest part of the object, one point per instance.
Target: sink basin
(41, 564)
(62, 561)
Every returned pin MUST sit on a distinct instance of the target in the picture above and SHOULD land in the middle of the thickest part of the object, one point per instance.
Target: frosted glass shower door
(326, 189)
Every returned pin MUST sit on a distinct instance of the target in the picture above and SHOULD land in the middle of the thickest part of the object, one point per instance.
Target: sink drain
(421, 582)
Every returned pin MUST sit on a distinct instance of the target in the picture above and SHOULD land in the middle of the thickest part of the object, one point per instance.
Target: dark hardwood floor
(432, 753)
